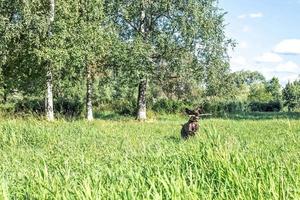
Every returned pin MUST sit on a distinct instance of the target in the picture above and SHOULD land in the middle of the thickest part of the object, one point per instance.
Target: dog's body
(191, 127)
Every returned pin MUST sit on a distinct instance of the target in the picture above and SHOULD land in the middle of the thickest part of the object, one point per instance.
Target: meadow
(231, 158)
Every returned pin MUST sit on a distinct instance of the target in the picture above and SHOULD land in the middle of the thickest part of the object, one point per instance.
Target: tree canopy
(64, 56)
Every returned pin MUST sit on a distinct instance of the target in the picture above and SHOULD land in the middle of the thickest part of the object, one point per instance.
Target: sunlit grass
(230, 159)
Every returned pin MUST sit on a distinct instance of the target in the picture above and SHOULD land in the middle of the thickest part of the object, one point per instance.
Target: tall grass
(230, 159)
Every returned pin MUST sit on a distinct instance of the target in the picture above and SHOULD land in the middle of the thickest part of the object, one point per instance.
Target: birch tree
(164, 32)
(91, 41)
(49, 75)
(35, 41)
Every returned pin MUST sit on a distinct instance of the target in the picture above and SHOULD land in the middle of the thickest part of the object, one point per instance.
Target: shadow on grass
(262, 115)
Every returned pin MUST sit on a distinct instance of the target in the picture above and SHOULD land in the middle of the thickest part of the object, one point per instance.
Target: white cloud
(239, 60)
(238, 63)
(291, 78)
(251, 15)
(288, 71)
(243, 45)
(288, 46)
(289, 67)
(242, 16)
(246, 29)
(284, 77)
(268, 58)
(256, 15)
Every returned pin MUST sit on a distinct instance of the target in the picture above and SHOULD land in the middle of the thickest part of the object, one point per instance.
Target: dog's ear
(189, 112)
(199, 110)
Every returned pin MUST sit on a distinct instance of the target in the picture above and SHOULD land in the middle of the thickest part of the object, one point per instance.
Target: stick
(202, 115)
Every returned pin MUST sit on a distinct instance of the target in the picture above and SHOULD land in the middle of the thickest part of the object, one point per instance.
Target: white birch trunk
(49, 97)
(142, 109)
(49, 76)
(89, 93)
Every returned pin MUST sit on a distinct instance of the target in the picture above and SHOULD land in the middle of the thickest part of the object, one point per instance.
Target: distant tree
(259, 93)
(291, 95)
(247, 77)
(274, 88)
(238, 83)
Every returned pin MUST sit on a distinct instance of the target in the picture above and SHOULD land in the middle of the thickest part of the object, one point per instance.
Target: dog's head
(194, 118)
(196, 112)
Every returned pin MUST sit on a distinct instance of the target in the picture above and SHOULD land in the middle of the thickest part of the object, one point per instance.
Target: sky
(267, 33)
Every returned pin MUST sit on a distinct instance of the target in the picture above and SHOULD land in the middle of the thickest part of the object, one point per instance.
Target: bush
(272, 106)
(221, 106)
(168, 106)
(30, 105)
(67, 107)
(124, 107)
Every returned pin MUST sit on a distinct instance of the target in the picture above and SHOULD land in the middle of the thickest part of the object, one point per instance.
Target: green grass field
(239, 158)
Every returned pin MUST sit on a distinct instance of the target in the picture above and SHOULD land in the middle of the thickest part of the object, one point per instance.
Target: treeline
(52, 48)
(67, 56)
(250, 92)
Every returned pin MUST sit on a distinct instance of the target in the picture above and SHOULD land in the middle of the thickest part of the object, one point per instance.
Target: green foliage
(124, 107)
(247, 77)
(179, 46)
(173, 39)
(273, 87)
(258, 92)
(221, 106)
(271, 106)
(67, 107)
(291, 95)
(169, 106)
(30, 105)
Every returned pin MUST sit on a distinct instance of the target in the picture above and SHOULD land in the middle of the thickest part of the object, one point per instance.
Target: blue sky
(268, 36)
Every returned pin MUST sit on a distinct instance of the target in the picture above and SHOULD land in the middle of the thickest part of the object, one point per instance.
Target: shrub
(224, 106)
(64, 106)
(124, 107)
(69, 107)
(30, 105)
(271, 106)
(168, 106)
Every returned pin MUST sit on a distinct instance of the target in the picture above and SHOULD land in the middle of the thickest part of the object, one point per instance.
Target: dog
(191, 127)
(195, 112)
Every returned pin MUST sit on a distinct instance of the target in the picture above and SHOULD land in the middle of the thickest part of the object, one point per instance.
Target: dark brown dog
(191, 127)
(195, 112)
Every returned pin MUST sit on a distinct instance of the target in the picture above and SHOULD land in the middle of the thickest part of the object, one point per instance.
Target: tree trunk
(141, 114)
(52, 11)
(49, 76)
(5, 94)
(49, 97)
(89, 93)
(5, 97)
